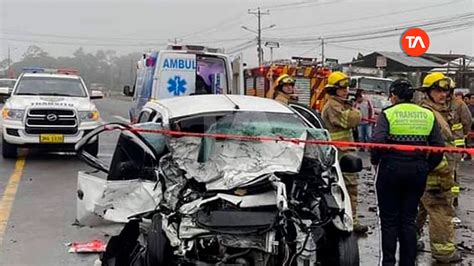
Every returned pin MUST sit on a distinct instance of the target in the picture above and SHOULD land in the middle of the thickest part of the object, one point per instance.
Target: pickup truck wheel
(8, 150)
(92, 148)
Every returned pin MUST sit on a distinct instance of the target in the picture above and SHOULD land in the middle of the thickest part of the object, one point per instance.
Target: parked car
(6, 87)
(379, 101)
(223, 199)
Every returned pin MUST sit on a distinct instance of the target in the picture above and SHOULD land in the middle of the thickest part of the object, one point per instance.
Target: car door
(146, 115)
(313, 117)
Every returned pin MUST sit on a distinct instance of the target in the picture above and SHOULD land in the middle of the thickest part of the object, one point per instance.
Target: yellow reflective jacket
(286, 98)
(443, 117)
(340, 118)
(461, 122)
(443, 175)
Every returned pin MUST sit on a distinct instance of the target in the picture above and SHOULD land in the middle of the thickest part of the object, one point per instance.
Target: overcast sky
(62, 26)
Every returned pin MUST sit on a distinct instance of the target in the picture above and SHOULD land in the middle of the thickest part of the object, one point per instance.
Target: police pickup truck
(48, 109)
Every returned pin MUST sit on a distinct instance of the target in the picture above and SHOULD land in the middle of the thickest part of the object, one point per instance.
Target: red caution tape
(339, 144)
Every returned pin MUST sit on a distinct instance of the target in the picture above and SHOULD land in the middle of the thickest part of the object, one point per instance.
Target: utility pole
(463, 72)
(322, 51)
(9, 58)
(449, 63)
(131, 72)
(259, 14)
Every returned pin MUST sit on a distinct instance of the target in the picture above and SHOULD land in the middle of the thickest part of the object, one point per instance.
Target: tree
(4, 63)
(103, 66)
(34, 51)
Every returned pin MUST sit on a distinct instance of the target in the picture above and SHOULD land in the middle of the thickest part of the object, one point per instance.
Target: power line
(241, 46)
(221, 24)
(309, 50)
(227, 22)
(297, 5)
(371, 33)
(97, 38)
(338, 22)
(115, 44)
(81, 44)
(463, 24)
(371, 49)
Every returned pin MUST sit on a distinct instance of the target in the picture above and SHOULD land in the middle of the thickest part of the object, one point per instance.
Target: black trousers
(400, 186)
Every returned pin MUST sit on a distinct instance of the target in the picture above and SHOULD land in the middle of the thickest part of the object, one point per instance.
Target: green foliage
(104, 67)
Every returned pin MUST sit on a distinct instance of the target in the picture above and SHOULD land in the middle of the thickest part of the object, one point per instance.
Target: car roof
(190, 52)
(199, 104)
(48, 75)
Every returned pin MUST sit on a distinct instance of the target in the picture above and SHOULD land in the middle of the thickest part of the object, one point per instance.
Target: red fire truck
(310, 81)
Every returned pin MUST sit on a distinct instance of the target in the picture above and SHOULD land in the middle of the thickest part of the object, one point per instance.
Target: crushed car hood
(232, 163)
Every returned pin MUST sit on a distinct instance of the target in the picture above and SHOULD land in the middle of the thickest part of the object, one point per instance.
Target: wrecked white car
(222, 198)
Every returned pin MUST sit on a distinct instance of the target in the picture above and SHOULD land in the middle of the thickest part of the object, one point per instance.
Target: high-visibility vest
(409, 122)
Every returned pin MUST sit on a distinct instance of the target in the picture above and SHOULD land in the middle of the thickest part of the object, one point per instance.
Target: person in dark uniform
(401, 176)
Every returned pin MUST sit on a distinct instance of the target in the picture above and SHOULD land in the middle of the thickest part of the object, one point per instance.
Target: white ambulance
(177, 71)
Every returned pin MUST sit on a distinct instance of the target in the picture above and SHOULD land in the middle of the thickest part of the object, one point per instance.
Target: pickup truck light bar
(66, 71)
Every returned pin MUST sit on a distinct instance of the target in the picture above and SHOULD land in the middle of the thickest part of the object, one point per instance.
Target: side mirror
(4, 91)
(127, 91)
(96, 95)
(350, 164)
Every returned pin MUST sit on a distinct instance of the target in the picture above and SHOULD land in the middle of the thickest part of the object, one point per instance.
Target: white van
(177, 71)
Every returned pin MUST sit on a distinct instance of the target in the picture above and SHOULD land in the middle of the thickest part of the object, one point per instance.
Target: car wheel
(348, 250)
(8, 150)
(158, 248)
(339, 249)
(92, 148)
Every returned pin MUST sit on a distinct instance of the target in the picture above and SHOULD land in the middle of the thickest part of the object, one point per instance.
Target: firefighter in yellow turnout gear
(340, 119)
(460, 123)
(461, 118)
(284, 90)
(440, 186)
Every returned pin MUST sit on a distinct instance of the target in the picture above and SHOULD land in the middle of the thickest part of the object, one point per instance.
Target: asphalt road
(43, 210)
(38, 206)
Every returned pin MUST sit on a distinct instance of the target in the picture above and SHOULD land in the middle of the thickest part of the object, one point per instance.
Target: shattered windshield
(259, 124)
(224, 163)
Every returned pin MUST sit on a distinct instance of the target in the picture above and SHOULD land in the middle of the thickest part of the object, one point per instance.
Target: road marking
(122, 119)
(9, 196)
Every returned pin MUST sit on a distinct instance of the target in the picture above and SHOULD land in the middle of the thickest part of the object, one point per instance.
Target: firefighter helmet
(436, 80)
(285, 79)
(338, 79)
